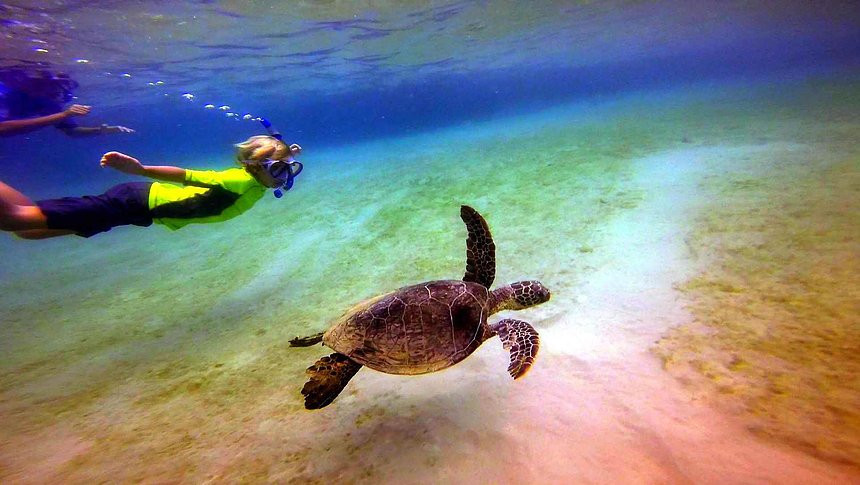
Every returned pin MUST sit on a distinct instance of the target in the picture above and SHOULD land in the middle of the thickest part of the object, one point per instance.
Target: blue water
(405, 110)
(330, 75)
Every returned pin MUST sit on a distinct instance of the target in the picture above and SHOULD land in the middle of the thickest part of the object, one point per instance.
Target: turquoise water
(600, 140)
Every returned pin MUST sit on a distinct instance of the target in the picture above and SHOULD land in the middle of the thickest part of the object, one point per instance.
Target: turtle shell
(414, 330)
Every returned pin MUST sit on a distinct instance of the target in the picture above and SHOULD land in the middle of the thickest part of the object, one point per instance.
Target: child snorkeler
(207, 196)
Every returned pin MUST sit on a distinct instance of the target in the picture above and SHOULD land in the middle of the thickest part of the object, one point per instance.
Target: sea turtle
(429, 326)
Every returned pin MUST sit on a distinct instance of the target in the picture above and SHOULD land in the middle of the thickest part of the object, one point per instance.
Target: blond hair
(260, 147)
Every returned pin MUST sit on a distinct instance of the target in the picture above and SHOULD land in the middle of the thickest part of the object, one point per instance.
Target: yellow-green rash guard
(208, 196)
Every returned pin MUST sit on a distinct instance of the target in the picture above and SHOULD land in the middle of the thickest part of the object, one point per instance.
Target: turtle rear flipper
(328, 376)
(522, 340)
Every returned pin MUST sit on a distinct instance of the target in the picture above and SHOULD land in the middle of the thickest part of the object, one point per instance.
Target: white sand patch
(597, 407)
(629, 300)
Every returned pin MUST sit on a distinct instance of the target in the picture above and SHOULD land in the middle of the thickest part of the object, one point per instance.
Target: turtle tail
(328, 376)
(307, 341)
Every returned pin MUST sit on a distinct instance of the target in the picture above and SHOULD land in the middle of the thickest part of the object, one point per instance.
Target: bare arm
(132, 166)
(15, 127)
(164, 172)
(81, 131)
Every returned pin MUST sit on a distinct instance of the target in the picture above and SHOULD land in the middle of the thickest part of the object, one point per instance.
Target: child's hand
(122, 162)
(77, 110)
(115, 129)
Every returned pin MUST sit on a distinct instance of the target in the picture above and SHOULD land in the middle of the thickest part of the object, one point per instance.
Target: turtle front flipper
(480, 249)
(328, 376)
(522, 340)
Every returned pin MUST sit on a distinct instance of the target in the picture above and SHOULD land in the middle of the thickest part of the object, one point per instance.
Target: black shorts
(121, 205)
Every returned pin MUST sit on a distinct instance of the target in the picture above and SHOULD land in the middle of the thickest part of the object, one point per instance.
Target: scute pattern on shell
(417, 329)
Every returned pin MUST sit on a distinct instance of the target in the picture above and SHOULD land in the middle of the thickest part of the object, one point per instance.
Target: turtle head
(520, 295)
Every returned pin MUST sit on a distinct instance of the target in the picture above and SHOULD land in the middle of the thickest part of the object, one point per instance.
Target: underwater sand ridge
(773, 339)
(683, 440)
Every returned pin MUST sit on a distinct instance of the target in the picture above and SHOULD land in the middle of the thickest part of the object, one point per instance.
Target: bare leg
(42, 233)
(12, 196)
(18, 213)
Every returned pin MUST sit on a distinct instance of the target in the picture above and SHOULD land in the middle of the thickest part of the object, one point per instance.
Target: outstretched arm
(80, 131)
(15, 127)
(132, 166)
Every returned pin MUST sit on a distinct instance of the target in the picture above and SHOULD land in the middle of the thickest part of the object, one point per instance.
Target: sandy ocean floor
(148, 356)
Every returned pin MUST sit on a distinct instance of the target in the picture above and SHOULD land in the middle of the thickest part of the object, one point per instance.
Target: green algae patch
(776, 330)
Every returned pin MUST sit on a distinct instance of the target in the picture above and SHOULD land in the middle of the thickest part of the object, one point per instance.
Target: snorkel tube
(293, 169)
(273, 132)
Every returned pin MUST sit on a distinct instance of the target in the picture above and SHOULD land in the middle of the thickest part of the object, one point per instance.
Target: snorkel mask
(284, 171)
